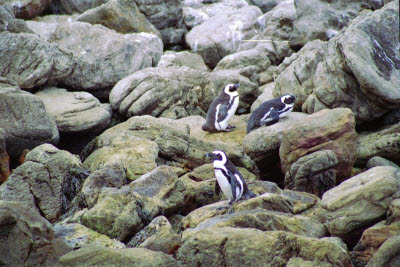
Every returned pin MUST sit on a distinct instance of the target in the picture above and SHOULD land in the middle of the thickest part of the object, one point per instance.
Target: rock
(372, 238)
(265, 220)
(27, 9)
(366, 197)
(326, 130)
(266, 95)
(4, 158)
(221, 34)
(265, 6)
(25, 121)
(384, 143)
(142, 157)
(298, 76)
(219, 246)
(98, 68)
(122, 16)
(27, 238)
(393, 214)
(109, 176)
(184, 58)
(75, 112)
(71, 6)
(176, 92)
(313, 173)
(31, 62)
(387, 254)
(157, 236)
(322, 20)
(262, 146)
(91, 256)
(77, 236)
(10, 23)
(175, 141)
(343, 68)
(57, 178)
(379, 161)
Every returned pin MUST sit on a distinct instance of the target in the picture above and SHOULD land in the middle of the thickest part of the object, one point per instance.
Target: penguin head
(288, 99)
(218, 155)
(231, 89)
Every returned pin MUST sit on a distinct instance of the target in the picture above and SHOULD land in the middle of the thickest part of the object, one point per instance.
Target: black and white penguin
(221, 110)
(269, 112)
(229, 178)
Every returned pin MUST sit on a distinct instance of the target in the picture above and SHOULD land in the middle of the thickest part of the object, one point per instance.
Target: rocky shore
(102, 151)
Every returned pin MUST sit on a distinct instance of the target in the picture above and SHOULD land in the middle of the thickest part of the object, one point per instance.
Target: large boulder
(27, 9)
(47, 182)
(75, 112)
(95, 256)
(360, 201)
(225, 246)
(221, 34)
(183, 58)
(325, 130)
(8, 22)
(31, 62)
(176, 92)
(387, 254)
(25, 121)
(27, 239)
(122, 16)
(99, 67)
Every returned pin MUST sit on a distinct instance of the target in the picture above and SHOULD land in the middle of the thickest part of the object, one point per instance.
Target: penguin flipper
(217, 189)
(272, 118)
(222, 112)
(233, 185)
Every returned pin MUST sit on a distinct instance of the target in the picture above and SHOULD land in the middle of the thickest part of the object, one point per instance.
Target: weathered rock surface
(72, 6)
(4, 158)
(27, 9)
(142, 157)
(27, 238)
(46, 182)
(313, 173)
(184, 58)
(77, 236)
(176, 92)
(25, 121)
(93, 255)
(98, 68)
(30, 61)
(361, 200)
(75, 112)
(384, 143)
(9, 22)
(219, 246)
(213, 41)
(326, 130)
(122, 16)
(388, 253)
(379, 161)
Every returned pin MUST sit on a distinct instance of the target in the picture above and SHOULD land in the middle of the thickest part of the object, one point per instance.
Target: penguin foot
(230, 126)
(230, 208)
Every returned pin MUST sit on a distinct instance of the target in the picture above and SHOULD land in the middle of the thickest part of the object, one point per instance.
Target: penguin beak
(237, 85)
(209, 155)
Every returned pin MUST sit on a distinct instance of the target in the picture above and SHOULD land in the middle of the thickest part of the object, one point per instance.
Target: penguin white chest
(224, 184)
(223, 124)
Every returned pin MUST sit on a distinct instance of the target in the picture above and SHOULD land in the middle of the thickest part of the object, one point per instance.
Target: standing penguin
(221, 110)
(269, 112)
(229, 178)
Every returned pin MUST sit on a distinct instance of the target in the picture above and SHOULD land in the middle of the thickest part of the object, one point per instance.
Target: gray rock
(387, 254)
(122, 16)
(25, 121)
(265, 5)
(98, 68)
(27, 238)
(384, 143)
(220, 246)
(27, 9)
(317, 19)
(379, 161)
(57, 178)
(94, 256)
(161, 13)
(360, 201)
(343, 68)
(31, 62)
(75, 112)
(184, 58)
(221, 34)
(176, 92)
(265, 95)
(71, 6)
(313, 173)
(8, 22)
(77, 236)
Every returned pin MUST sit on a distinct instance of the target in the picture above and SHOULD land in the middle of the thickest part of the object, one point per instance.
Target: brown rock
(325, 130)
(4, 159)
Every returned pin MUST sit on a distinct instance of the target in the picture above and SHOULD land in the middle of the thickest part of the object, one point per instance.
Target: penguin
(271, 111)
(229, 178)
(221, 110)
